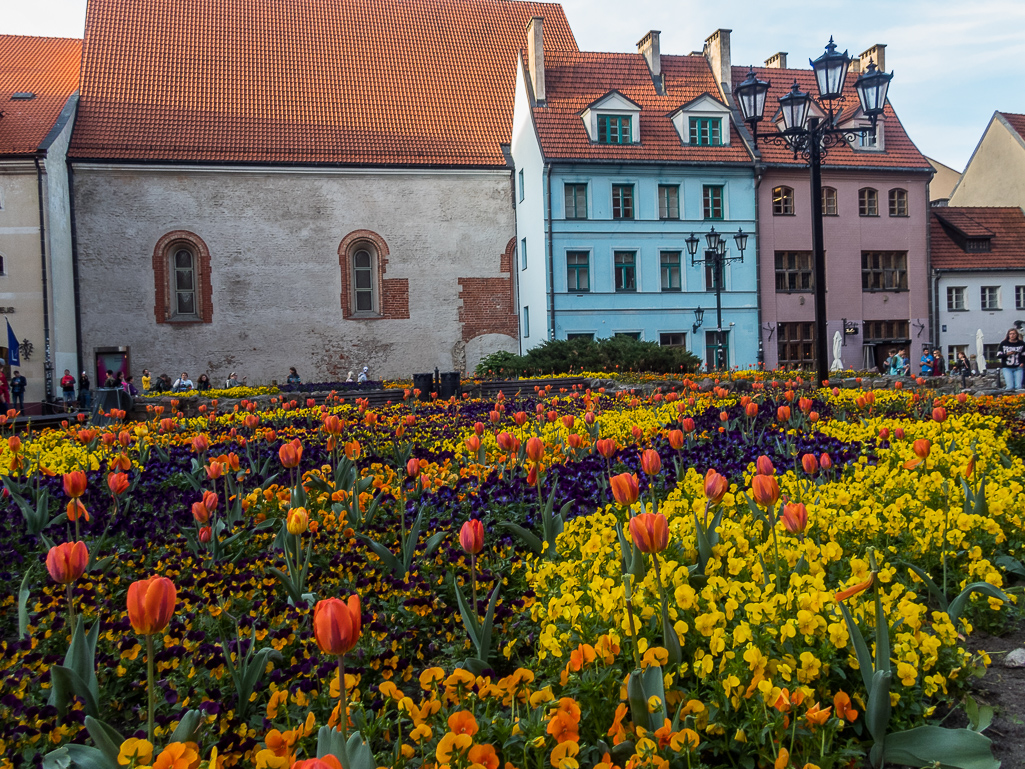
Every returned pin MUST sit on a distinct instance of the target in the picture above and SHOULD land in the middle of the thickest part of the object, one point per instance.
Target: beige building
(995, 175)
(38, 95)
(943, 182)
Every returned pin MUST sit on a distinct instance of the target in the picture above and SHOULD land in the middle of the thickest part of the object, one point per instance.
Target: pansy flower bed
(574, 578)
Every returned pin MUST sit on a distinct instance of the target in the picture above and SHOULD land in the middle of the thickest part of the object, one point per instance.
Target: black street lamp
(811, 137)
(715, 257)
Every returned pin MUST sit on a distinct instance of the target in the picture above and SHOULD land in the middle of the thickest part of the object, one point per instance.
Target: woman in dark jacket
(203, 383)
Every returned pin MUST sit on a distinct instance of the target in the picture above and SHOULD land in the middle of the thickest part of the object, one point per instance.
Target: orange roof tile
(358, 82)
(900, 151)
(1017, 122)
(47, 67)
(575, 80)
(951, 227)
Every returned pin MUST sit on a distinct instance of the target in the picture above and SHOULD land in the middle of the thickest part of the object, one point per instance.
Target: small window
(3, 266)
(184, 282)
(885, 330)
(989, 352)
(868, 202)
(898, 202)
(793, 271)
(989, 298)
(672, 339)
(363, 280)
(526, 321)
(670, 270)
(669, 201)
(955, 298)
(576, 201)
(521, 184)
(977, 245)
(711, 201)
(580, 335)
(868, 139)
(829, 202)
(614, 129)
(706, 131)
(578, 271)
(884, 270)
(782, 201)
(1019, 295)
(795, 347)
(629, 334)
(622, 201)
(626, 270)
(709, 276)
(523, 254)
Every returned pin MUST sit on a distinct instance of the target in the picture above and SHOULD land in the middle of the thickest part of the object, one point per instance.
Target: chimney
(777, 61)
(648, 48)
(536, 56)
(876, 53)
(717, 51)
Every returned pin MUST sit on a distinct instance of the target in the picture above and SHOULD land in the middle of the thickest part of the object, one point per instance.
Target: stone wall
(277, 243)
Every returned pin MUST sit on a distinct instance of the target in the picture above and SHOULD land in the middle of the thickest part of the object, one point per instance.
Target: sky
(954, 63)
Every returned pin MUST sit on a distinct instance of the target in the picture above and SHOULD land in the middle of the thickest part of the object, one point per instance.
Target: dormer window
(977, 245)
(706, 131)
(703, 122)
(868, 138)
(614, 129)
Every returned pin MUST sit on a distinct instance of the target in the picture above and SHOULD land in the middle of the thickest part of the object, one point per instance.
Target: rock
(1016, 659)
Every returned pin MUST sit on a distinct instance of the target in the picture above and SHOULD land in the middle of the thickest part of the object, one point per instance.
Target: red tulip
(337, 625)
(809, 464)
(532, 475)
(805, 404)
(151, 604)
(67, 562)
(939, 414)
(471, 536)
(574, 440)
(74, 483)
(472, 444)
(825, 461)
(922, 447)
(716, 486)
(651, 462)
(200, 443)
(884, 433)
(589, 418)
(676, 439)
(204, 534)
(795, 516)
(765, 490)
(494, 416)
(567, 421)
(120, 462)
(290, 454)
(506, 441)
(413, 467)
(210, 501)
(478, 428)
(327, 762)
(606, 447)
(117, 483)
(332, 425)
(520, 418)
(899, 433)
(625, 488)
(687, 424)
(535, 449)
(200, 513)
(763, 465)
(783, 414)
(14, 443)
(751, 410)
(650, 532)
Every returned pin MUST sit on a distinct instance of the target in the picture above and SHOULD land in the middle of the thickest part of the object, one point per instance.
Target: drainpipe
(551, 253)
(515, 266)
(758, 270)
(48, 361)
(74, 267)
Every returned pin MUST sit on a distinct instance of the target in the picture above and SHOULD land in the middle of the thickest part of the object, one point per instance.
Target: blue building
(620, 160)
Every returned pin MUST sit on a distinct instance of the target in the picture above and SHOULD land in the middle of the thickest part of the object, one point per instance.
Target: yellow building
(995, 175)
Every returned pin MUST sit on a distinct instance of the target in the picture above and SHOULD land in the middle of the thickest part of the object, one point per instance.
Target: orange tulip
(67, 562)
(650, 532)
(14, 443)
(291, 454)
(535, 449)
(675, 439)
(471, 536)
(765, 490)
(825, 461)
(845, 594)
(810, 464)
(77, 510)
(327, 762)
(687, 424)
(74, 483)
(120, 463)
(151, 604)
(763, 466)
(783, 414)
(751, 409)
(210, 501)
(651, 462)
(939, 414)
(472, 444)
(413, 467)
(922, 447)
(625, 488)
(606, 447)
(214, 470)
(200, 443)
(795, 517)
(805, 404)
(506, 441)
(567, 421)
(200, 513)
(117, 483)
(352, 450)
(337, 624)
(716, 486)
(520, 418)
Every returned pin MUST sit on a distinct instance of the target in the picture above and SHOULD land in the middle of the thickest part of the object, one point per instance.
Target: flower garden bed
(567, 578)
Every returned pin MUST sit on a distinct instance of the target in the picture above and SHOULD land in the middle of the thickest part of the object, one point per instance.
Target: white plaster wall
(961, 327)
(530, 219)
(273, 240)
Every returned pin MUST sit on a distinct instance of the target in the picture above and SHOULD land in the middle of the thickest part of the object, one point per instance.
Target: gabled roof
(900, 151)
(951, 228)
(575, 80)
(45, 67)
(1017, 122)
(349, 82)
(613, 96)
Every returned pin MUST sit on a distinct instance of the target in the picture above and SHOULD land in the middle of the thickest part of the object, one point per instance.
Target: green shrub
(562, 356)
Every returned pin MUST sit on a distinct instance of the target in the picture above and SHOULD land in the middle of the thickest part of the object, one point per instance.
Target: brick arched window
(181, 279)
(366, 293)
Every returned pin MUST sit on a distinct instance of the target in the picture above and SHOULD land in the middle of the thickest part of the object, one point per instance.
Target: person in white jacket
(182, 383)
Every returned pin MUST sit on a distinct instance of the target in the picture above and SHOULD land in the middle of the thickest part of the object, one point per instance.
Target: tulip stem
(343, 701)
(630, 619)
(473, 581)
(151, 683)
(71, 611)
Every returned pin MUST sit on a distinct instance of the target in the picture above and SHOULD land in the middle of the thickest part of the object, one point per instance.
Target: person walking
(1009, 351)
(963, 368)
(293, 376)
(85, 395)
(926, 362)
(18, 384)
(67, 388)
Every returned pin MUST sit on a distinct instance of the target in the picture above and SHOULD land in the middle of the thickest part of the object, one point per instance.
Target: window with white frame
(672, 339)
(526, 321)
(989, 298)
(669, 201)
(576, 201)
(1019, 297)
(523, 254)
(578, 271)
(956, 299)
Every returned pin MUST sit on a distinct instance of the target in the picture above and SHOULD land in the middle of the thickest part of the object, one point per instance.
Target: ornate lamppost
(811, 137)
(715, 257)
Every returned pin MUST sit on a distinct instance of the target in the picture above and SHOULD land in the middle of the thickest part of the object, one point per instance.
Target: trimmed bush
(562, 356)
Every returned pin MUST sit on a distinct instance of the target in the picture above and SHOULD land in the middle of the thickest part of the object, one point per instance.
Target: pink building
(875, 206)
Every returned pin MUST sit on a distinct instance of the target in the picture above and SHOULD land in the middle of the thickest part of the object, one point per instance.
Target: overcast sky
(954, 62)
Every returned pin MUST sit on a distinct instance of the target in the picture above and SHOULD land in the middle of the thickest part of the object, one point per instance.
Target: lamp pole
(811, 137)
(715, 256)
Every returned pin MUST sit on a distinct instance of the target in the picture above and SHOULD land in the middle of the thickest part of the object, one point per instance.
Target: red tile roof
(362, 82)
(900, 151)
(1017, 122)
(45, 66)
(950, 228)
(574, 80)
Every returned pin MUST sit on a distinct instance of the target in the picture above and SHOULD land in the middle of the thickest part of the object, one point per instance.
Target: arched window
(782, 201)
(829, 202)
(898, 202)
(366, 293)
(363, 280)
(181, 274)
(868, 202)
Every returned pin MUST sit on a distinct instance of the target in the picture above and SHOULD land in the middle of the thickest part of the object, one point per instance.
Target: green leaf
(979, 718)
(930, 584)
(285, 580)
(530, 539)
(106, 737)
(882, 636)
(1011, 565)
(489, 619)
(330, 743)
(877, 713)
(642, 686)
(67, 683)
(861, 651)
(470, 620)
(23, 596)
(958, 604)
(78, 757)
(935, 746)
(187, 727)
(387, 556)
(433, 542)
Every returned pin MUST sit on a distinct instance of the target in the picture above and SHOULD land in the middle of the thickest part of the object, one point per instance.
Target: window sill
(669, 218)
(884, 290)
(958, 309)
(901, 216)
(626, 290)
(795, 290)
(790, 214)
(365, 316)
(672, 290)
(184, 319)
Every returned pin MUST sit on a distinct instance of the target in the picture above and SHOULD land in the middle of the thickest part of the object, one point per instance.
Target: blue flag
(13, 352)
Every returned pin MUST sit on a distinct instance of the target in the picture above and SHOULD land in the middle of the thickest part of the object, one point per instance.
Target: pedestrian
(18, 384)
(4, 392)
(926, 361)
(1009, 351)
(67, 388)
(162, 384)
(962, 367)
(111, 381)
(128, 386)
(146, 380)
(293, 377)
(364, 375)
(893, 363)
(939, 365)
(203, 383)
(85, 395)
(350, 378)
(233, 381)
(182, 383)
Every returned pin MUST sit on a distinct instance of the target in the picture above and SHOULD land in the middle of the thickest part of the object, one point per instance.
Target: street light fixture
(715, 257)
(811, 137)
(699, 317)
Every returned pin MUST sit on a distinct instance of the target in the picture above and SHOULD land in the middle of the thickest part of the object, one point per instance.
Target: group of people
(1010, 353)
(14, 389)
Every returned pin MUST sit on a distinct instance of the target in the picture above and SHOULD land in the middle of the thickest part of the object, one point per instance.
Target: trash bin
(450, 381)
(107, 398)
(425, 384)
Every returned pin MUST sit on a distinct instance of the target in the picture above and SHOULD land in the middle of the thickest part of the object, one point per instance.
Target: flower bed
(568, 579)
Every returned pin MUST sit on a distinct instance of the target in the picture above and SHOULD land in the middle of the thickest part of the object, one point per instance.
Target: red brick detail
(392, 293)
(162, 277)
(489, 305)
